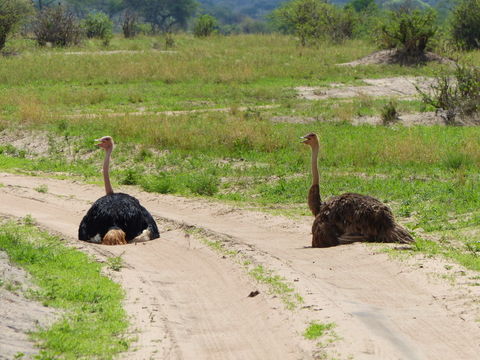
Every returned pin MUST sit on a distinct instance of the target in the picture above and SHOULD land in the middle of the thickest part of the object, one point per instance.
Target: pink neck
(106, 175)
(315, 174)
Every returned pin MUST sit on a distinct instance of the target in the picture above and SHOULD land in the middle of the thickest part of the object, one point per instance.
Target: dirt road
(190, 302)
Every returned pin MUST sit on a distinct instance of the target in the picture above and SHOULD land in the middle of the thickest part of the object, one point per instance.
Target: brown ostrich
(349, 217)
(116, 218)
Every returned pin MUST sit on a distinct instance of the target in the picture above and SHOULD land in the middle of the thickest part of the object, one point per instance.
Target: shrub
(58, 26)
(409, 31)
(98, 25)
(144, 28)
(162, 184)
(312, 20)
(129, 177)
(389, 113)
(203, 184)
(466, 24)
(12, 13)
(205, 26)
(455, 95)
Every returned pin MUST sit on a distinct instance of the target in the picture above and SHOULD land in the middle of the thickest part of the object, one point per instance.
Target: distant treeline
(244, 13)
(413, 23)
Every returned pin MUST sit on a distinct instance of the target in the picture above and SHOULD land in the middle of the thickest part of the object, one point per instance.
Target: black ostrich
(349, 217)
(116, 218)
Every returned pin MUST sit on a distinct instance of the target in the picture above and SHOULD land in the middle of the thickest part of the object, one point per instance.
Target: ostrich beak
(98, 142)
(304, 139)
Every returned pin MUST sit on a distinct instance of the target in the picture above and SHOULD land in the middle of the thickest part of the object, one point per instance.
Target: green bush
(98, 25)
(313, 20)
(203, 184)
(12, 13)
(466, 24)
(144, 28)
(205, 26)
(57, 26)
(409, 31)
(160, 184)
(129, 177)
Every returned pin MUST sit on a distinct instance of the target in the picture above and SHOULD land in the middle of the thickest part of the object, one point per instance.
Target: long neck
(315, 175)
(106, 174)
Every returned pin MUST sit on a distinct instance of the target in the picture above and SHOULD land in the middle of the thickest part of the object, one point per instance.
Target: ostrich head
(105, 143)
(310, 139)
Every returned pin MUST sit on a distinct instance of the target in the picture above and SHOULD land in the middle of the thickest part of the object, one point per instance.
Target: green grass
(92, 323)
(42, 188)
(242, 70)
(115, 263)
(316, 330)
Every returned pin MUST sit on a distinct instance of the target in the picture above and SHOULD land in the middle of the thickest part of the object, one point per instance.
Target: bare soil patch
(144, 112)
(398, 87)
(425, 118)
(190, 302)
(294, 119)
(111, 52)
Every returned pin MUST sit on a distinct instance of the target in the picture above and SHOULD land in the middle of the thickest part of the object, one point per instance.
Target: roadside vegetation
(91, 322)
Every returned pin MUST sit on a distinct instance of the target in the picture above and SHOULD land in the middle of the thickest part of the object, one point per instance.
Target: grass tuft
(316, 330)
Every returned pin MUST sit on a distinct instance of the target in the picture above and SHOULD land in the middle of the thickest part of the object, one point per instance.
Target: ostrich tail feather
(398, 234)
(114, 237)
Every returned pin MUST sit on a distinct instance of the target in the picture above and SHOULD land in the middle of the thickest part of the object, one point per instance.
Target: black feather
(117, 210)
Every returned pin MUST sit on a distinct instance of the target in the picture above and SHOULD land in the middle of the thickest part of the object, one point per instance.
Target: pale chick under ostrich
(349, 217)
(116, 218)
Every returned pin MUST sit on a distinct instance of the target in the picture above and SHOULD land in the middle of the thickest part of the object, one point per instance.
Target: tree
(12, 13)
(99, 25)
(57, 26)
(205, 26)
(312, 20)
(466, 24)
(129, 24)
(164, 15)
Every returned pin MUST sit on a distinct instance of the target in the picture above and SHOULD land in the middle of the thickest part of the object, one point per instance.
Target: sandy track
(189, 302)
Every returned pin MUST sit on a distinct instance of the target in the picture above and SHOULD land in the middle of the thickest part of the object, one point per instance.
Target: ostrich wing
(152, 225)
(357, 214)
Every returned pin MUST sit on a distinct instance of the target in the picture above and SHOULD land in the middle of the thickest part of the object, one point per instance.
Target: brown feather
(350, 216)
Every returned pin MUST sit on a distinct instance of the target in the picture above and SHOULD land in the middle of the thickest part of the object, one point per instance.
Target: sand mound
(395, 57)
